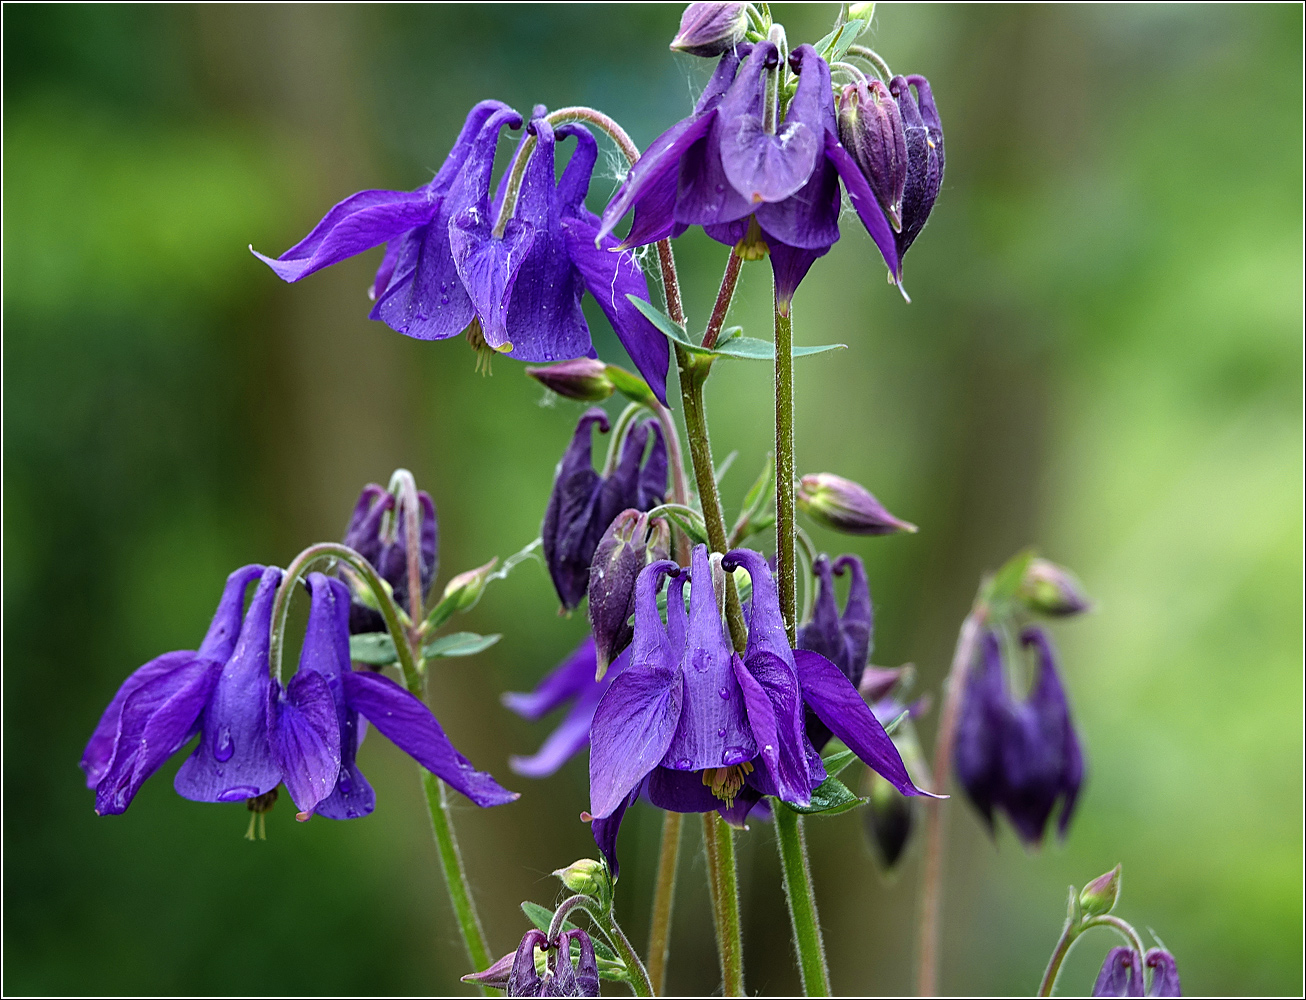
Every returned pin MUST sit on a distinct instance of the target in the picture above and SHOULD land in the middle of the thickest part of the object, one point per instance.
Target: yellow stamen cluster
(725, 782)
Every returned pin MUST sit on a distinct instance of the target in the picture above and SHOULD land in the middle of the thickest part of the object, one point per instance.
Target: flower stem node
(846, 506)
(589, 877)
(1052, 590)
(711, 29)
(1100, 895)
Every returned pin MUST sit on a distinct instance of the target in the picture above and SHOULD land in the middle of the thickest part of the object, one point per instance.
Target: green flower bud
(585, 379)
(589, 877)
(1100, 895)
(1049, 589)
(465, 589)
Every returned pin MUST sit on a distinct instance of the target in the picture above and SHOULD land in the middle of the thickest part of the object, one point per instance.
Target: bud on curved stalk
(1052, 590)
(631, 542)
(711, 29)
(1100, 895)
(465, 589)
(585, 379)
(846, 506)
(870, 128)
(590, 878)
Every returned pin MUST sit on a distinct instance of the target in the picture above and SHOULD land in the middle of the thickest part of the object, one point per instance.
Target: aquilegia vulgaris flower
(697, 727)
(453, 264)
(1021, 757)
(386, 548)
(1122, 974)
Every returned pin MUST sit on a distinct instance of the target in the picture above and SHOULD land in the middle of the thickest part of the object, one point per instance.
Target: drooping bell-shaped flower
(698, 727)
(870, 128)
(845, 640)
(1165, 974)
(156, 710)
(520, 975)
(1122, 974)
(629, 544)
(379, 534)
(924, 140)
(583, 502)
(1019, 756)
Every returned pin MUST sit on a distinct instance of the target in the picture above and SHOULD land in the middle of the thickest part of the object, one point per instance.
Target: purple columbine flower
(561, 977)
(721, 169)
(1122, 974)
(449, 268)
(924, 140)
(1018, 756)
(845, 640)
(157, 709)
(387, 550)
(572, 681)
(697, 727)
(583, 502)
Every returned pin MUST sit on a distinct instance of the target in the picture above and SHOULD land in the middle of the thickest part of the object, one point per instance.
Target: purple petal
(766, 627)
(1121, 975)
(924, 140)
(573, 734)
(713, 728)
(574, 184)
(233, 760)
(976, 755)
(406, 721)
(632, 729)
(567, 680)
(651, 645)
(385, 271)
(156, 720)
(606, 828)
(653, 475)
(789, 266)
(646, 183)
(836, 703)
(863, 199)
(610, 275)
(488, 266)
(704, 195)
(568, 535)
(677, 619)
(524, 981)
(306, 738)
(681, 791)
(775, 713)
(220, 640)
(1165, 974)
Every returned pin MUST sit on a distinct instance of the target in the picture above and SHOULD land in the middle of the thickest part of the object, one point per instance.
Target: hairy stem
(664, 896)
(719, 842)
(808, 942)
(640, 984)
(1068, 934)
(455, 876)
(927, 967)
(784, 466)
(724, 296)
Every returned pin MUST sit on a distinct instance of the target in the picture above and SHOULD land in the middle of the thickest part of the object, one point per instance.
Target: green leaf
(836, 762)
(542, 918)
(895, 723)
(376, 649)
(738, 346)
(831, 799)
(686, 519)
(459, 644)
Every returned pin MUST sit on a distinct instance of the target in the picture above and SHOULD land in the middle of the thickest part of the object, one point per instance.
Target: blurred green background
(1103, 358)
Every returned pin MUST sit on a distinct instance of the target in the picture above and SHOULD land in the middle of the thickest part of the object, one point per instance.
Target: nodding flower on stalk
(510, 276)
(1019, 756)
(583, 502)
(378, 531)
(698, 727)
(1123, 971)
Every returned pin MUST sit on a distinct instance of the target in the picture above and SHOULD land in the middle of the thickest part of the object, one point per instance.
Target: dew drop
(444, 300)
(720, 188)
(721, 731)
(225, 746)
(238, 794)
(684, 764)
(724, 693)
(351, 813)
(345, 785)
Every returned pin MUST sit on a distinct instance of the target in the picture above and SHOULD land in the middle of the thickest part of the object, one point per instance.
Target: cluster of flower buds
(846, 506)
(553, 973)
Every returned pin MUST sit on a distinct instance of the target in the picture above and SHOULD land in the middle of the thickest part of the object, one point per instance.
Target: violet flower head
(1022, 757)
(698, 727)
(629, 544)
(845, 640)
(385, 546)
(709, 29)
(924, 139)
(1123, 971)
(561, 977)
(158, 708)
(750, 178)
(583, 502)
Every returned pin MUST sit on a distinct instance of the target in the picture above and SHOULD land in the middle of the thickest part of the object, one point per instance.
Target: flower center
(484, 352)
(258, 808)
(725, 782)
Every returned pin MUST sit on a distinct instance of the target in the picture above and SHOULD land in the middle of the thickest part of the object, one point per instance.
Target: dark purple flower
(1165, 975)
(386, 548)
(629, 544)
(698, 727)
(561, 977)
(749, 187)
(843, 640)
(583, 502)
(924, 139)
(156, 710)
(1121, 974)
(1018, 756)
(870, 128)
(709, 29)
(571, 681)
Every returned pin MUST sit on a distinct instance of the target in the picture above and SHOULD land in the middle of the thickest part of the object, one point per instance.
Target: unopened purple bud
(846, 506)
(585, 379)
(710, 29)
(496, 976)
(1050, 589)
(1100, 895)
(870, 128)
(1121, 975)
(630, 543)
(1165, 975)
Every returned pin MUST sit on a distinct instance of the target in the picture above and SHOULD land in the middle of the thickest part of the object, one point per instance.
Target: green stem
(927, 965)
(802, 901)
(639, 980)
(1068, 934)
(874, 58)
(784, 465)
(719, 842)
(455, 876)
(664, 896)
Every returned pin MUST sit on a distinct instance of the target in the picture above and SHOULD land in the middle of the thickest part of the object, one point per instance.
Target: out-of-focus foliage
(1102, 359)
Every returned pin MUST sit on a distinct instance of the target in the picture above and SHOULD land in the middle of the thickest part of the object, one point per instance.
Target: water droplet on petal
(344, 784)
(724, 693)
(684, 764)
(225, 745)
(721, 732)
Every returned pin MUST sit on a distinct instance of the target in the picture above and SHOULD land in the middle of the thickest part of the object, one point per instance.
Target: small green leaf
(830, 799)
(376, 649)
(1003, 587)
(459, 644)
(738, 346)
(897, 721)
(612, 971)
(836, 762)
(539, 915)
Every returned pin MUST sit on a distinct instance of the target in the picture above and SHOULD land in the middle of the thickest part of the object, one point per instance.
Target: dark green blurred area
(1102, 358)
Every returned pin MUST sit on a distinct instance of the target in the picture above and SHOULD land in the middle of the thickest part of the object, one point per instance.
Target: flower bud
(630, 543)
(846, 506)
(710, 29)
(590, 877)
(496, 976)
(1100, 895)
(465, 589)
(1053, 590)
(870, 128)
(585, 379)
